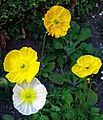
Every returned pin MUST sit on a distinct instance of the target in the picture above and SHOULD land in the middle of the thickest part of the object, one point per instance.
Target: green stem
(58, 3)
(89, 91)
(42, 54)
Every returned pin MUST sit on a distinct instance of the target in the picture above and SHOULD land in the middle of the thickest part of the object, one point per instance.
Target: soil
(7, 107)
(95, 21)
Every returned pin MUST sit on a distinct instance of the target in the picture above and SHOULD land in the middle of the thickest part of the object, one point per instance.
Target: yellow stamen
(28, 95)
(22, 65)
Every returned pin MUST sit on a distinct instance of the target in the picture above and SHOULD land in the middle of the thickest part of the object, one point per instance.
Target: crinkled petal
(96, 65)
(11, 60)
(39, 103)
(16, 76)
(29, 54)
(79, 71)
(40, 90)
(35, 82)
(32, 71)
(26, 109)
(85, 60)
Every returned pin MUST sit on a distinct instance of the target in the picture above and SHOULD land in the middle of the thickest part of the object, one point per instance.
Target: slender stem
(42, 54)
(89, 91)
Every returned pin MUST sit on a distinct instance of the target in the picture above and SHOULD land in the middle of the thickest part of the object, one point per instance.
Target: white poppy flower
(28, 98)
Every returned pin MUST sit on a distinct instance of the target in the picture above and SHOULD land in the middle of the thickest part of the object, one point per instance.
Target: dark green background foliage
(14, 13)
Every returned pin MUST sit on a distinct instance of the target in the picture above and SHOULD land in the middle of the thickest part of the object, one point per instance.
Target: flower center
(87, 67)
(22, 65)
(56, 21)
(28, 95)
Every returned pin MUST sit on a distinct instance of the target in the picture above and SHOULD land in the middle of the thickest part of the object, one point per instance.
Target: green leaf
(43, 117)
(50, 66)
(88, 47)
(0, 62)
(56, 78)
(84, 34)
(75, 27)
(34, 116)
(68, 98)
(70, 114)
(93, 98)
(58, 45)
(7, 117)
(76, 55)
(95, 111)
(60, 61)
(45, 74)
(49, 58)
(55, 108)
(68, 50)
(55, 116)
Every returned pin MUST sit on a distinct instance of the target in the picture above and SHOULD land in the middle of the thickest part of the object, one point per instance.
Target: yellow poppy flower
(57, 21)
(21, 64)
(86, 65)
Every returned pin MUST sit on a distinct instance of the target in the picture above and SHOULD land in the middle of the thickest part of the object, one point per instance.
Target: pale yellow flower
(86, 65)
(21, 64)
(57, 21)
(29, 98)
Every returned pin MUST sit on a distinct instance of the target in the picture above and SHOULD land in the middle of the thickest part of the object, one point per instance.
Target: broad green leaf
(76, 55)
(34, 116)
(0, 62)
(56, 78)
(60, 61)
(84, 34)
(50, 58)
(68, 98)
(92, 98)
(7, 117)
(43, 117)
(45, 74)
(70, 114)
(50, 66)
(88, 47)
(55, 116)
(75, 27)
(55, 108)
(95, 111)
(58, 45)
(68, 50)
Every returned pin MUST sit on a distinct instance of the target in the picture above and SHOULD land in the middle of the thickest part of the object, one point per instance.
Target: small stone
(102, 78)
(96, 4)
(100, 14)
(101, 72)
(93, 16)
